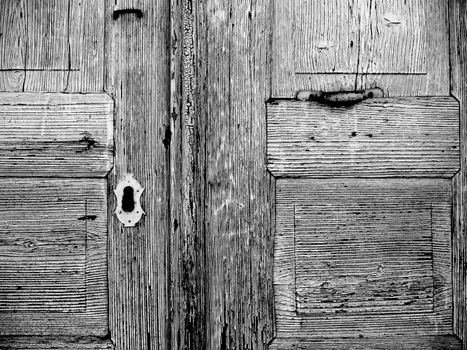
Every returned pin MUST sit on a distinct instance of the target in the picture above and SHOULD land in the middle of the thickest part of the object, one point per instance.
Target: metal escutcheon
(128, 194)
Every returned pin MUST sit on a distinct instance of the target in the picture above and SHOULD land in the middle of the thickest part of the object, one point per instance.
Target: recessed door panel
(362, 246)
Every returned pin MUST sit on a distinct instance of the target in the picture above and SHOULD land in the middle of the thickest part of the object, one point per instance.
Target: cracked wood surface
(55, 135)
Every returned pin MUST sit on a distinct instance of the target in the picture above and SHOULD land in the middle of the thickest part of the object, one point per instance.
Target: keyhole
(128, 201)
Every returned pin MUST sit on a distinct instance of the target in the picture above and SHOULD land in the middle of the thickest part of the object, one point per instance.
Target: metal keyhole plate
(128, 194)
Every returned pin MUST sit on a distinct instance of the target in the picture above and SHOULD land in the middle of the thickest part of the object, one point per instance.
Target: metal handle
(339, 98)
(117, 13)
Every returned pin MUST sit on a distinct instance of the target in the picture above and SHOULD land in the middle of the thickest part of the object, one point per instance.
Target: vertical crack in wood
(295, 259)
(69, 45)
(359, 50)
(26, 49)
(86, 253)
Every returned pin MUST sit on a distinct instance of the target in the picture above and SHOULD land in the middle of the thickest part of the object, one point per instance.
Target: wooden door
(329, 227)
(364, 251)
(83, 104)
(270, 222)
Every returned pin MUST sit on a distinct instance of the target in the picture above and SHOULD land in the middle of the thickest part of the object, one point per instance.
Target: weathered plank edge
(458, 63)
(233, 61)
(58, 343)
(441, 342)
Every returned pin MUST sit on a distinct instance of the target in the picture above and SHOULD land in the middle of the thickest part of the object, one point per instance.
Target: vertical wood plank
(458, 49)
(187, 189)
(13, 31)
(138, 78)
(13, 34)
(233, 58)
(86, 64)
(48, 34)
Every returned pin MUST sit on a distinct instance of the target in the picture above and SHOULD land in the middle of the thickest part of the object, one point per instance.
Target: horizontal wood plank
(440, 342)
(56, 135)
(403, 137)
(53, 256)
(54, 343)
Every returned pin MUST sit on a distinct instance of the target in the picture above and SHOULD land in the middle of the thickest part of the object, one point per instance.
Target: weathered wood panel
(349, 256)
(48, 35)
(56, 135)
(399, 46)
(52, 45)
(86, 66)
(360, 36)
(53, 256)
(440, 342)
(458, 31)
(57, 343)
(374, 252)
(12, 45)
(326, 36)
(14, 34)
(232, 55)
(138, 77)
(378, 137)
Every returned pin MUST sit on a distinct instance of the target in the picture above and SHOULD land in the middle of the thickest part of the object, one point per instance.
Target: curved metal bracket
(128, 194)
(339, 98)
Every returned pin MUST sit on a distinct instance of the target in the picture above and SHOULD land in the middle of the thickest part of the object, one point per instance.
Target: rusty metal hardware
(138, 13)
(339, 98)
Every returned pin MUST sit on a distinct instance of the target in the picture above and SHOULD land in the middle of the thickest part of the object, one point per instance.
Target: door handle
(339, 98)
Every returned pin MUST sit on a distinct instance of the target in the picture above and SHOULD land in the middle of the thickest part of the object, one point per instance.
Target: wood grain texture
(86, 45)
(52, 45)
(458, 23)
(344, 243)
(187, 192)
(12, 45)
(361, 257)
(378, 137)
(138, 77)
(56, 135)
(57, 343)
(359, 36)
(53, 256)
(440, 342)
(48, 35)
(232, 55)
(359, 44)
